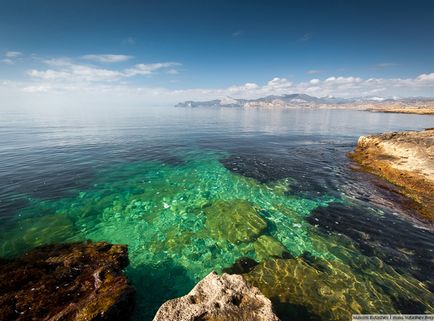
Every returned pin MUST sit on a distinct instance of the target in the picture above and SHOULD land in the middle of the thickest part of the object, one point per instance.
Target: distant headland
(414, 105)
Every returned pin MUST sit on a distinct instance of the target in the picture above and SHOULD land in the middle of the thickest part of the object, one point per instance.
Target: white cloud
(172, 72)
(58, 62)
(426, 77)
(343, 80)
(244, 89)
(337, 86)
(10, 57)
(129, 41)
(147, 69)
(72, 80)
(278, 84)
(66, 70)
(107, 58)
(12, 54)
(7, 61)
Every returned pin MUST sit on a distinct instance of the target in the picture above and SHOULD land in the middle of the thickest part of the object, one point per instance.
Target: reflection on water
(192, 191)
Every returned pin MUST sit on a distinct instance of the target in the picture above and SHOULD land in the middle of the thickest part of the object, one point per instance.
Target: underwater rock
(235, 221)
(36, 231)
(406, 159)
(77, 281)
(267, 168)
(266, 246)
(372, 235)
(241, 266)
(219, 298)
(329, 290)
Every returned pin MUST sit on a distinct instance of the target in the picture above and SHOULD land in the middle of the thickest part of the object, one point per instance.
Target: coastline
(418, 105)
(416, 111)
(406, 159)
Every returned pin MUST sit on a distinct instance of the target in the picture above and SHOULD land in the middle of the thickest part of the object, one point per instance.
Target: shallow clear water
(193, 190)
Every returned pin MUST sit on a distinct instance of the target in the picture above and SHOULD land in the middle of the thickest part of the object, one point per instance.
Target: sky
(164, 51)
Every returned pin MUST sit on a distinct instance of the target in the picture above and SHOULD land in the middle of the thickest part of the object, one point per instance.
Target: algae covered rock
(35, 231)
(329, 290)
(241, 266)
(78, 281)
(219, 298)
(235, 221)
(266, 247)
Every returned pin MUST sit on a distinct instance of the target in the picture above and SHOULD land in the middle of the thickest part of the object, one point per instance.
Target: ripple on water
(183, 220)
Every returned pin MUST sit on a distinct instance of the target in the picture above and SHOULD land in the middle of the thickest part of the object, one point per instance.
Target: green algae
(266, 246)
(330, 290)
(183, 221)
(235, 221)
(35, 231)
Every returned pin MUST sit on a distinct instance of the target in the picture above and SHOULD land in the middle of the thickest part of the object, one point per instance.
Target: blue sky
(202, 49)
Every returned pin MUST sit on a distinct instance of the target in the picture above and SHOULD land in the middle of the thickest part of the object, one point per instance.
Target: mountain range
(302, 100)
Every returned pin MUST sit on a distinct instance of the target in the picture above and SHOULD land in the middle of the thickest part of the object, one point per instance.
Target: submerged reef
(219, 298)
(78, 281)
(314, 288)
(406, 159)
(234, 221)
(183, 220)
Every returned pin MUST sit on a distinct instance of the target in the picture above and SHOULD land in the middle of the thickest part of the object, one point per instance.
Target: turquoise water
(192, 191)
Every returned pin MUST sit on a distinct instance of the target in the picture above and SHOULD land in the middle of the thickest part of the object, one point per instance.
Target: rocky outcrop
(406, 159)
(234, 221)
(219, 298)
(78, 281)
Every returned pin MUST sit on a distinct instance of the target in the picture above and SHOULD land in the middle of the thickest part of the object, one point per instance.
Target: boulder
(219, 298)
(266, 247)
(235, 221)
(77, 281)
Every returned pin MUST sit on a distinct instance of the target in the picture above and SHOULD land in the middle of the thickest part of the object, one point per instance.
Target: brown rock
(219, 298)
(78, 281)
(406, 159)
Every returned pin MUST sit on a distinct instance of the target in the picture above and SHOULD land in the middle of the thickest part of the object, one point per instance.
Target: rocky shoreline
(405, 159)
(84, 281)
(77, 281)
(401, 110)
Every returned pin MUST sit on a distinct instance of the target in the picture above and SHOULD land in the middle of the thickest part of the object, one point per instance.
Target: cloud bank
(99, 89)
(9, 57)
(107, 58)
(67, 70)
(93, 78)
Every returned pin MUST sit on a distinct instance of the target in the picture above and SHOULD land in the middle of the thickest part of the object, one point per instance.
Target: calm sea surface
(193, 190)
